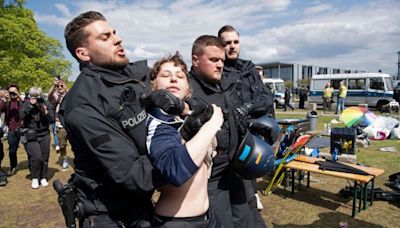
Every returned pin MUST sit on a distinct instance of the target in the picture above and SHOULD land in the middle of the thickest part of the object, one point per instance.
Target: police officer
(255, 99)
(105, 121)
(207, 65)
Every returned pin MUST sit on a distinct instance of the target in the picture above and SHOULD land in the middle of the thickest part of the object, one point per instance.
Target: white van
(277, 87)
(374, 89)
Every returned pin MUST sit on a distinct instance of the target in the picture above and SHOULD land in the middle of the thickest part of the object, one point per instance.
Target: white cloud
(363, 36)
(63, 9)
(174, 26)
(317, 9)
(277, 5)
(51, 19)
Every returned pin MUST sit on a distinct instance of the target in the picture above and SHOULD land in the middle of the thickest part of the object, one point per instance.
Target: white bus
(374, 89)
(277, 87)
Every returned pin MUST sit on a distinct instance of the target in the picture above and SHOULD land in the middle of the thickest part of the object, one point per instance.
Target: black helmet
(254, 157)
(267, 128)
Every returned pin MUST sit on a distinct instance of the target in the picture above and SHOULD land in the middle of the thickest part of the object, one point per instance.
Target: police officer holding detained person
(104, 115)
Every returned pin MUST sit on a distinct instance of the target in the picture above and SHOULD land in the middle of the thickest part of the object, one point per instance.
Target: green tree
(27, 55)
(304, 82)
(288, 84)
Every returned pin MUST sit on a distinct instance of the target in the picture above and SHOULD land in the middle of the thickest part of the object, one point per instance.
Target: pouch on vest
(31, 135)
(132, 118)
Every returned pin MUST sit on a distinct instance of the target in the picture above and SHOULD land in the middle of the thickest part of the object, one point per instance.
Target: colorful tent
(353, 115)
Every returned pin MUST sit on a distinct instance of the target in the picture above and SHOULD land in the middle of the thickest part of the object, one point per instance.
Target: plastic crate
(344, 139)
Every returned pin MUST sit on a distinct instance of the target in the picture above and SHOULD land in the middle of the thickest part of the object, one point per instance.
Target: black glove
(165, 100)
(195, 121)
(241, 111)
(241, 115)
(264, 131)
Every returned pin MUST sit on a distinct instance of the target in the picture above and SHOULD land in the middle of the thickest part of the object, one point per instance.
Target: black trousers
(13, 138)
(287, 104)
(255, 216)
(229, 200)
(301, 102)
(104, 221)
(218, 195)
(39, 152)
(207, 220)
(1, 151)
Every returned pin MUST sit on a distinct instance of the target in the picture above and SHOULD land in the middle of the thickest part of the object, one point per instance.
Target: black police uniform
(396, 93)
(259, 100)
(249, 87)
(105, 122)
(225, 189)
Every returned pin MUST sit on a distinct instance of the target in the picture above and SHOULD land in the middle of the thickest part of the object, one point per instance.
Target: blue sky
(352, 34)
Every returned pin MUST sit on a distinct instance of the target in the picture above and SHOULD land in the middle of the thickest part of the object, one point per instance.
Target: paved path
(304, 111)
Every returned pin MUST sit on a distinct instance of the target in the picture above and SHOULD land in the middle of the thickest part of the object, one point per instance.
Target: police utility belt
(71, 207)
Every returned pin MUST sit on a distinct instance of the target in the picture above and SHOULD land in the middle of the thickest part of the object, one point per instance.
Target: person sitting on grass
(184, 201)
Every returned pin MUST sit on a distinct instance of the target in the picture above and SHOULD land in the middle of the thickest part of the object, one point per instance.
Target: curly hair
(176, 59)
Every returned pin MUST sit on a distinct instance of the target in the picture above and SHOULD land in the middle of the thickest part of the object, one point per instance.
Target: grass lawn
(321, 205)
(318, 206)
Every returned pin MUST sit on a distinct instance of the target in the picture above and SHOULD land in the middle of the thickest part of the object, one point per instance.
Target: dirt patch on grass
(22, 206)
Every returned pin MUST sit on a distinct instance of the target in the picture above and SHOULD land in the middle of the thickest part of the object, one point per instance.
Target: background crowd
(28, 119)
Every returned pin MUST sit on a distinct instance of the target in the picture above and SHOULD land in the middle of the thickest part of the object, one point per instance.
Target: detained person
(184, 201)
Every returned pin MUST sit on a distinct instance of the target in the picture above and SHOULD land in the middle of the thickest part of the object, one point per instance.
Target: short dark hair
(176, 59)
(205, 41)
(12, 85)
(226, 28)
(74, 33)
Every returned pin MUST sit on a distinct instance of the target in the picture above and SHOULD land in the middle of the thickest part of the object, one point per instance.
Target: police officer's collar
(136, 71)
(230, 63)
(237, 65)
(212, 86)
